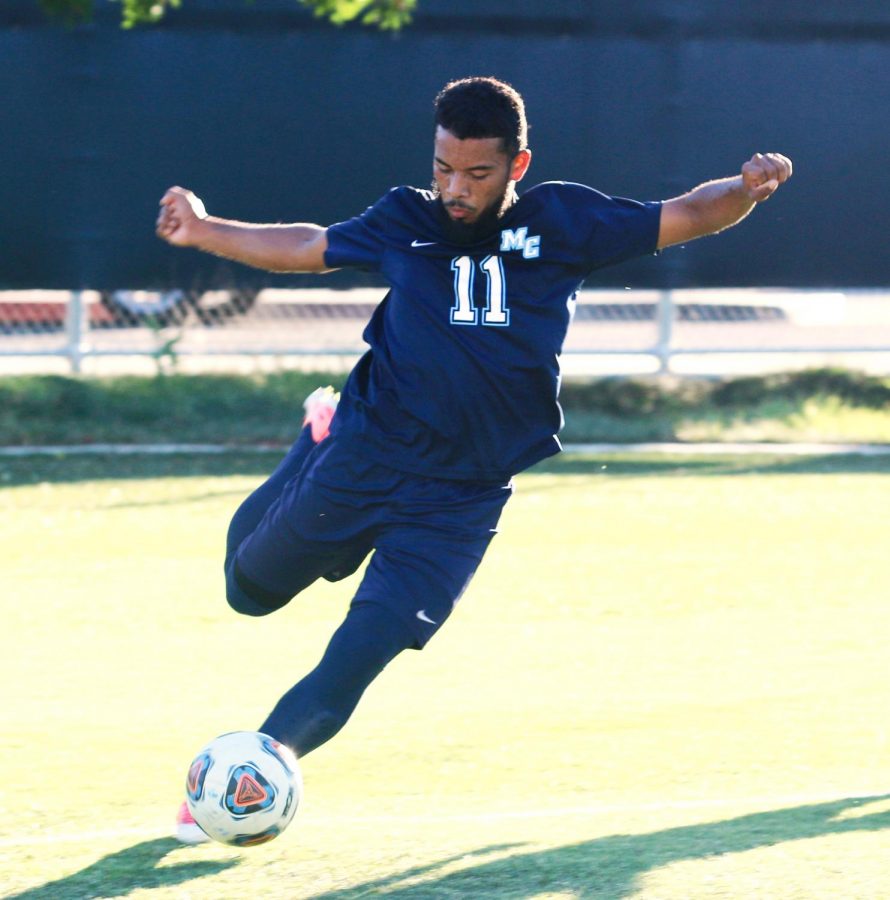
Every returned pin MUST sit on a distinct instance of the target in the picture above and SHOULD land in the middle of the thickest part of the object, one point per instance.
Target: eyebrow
(482, 167)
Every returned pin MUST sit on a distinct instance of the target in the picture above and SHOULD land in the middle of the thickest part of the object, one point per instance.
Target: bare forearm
(183, 222)
(275, 248)
(716, 205)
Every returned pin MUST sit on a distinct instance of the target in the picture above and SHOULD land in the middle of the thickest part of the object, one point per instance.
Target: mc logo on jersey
(518, 239)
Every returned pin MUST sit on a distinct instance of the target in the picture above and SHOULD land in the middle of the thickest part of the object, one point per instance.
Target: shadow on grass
(121, 873)
(72, 468)
(610, 868)
(635, 465)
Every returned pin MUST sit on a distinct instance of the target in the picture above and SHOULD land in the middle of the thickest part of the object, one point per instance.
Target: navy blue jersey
(462, 377)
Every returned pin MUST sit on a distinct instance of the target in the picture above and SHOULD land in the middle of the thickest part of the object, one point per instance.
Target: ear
(520, 165)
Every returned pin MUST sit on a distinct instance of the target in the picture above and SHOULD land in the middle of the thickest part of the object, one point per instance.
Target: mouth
(459, 211)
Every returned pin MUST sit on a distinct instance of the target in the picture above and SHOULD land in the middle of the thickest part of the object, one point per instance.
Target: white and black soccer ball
(243, 788)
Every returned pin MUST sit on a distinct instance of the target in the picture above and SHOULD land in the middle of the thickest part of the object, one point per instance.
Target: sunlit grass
(667, 681)
(817, 419)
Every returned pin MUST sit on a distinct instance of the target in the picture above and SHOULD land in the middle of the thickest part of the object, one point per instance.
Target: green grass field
(669, 680)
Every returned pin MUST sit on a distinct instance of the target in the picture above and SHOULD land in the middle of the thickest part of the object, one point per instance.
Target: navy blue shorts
(427, 535)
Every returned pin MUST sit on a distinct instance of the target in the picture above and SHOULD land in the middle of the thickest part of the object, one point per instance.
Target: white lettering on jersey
(463, 312)
(518, 239)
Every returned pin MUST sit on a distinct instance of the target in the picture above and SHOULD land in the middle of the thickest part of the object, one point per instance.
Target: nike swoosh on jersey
(423, 243)
(425, 618)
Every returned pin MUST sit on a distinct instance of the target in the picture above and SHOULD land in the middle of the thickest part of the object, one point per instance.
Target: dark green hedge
(267, 408)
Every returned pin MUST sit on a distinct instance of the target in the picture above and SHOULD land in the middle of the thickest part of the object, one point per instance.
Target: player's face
(474, 176)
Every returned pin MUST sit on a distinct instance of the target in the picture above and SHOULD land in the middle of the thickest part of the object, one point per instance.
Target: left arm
(716, 205)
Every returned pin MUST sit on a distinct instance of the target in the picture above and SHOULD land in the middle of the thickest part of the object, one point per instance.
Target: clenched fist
(763, 173)
(179, 217)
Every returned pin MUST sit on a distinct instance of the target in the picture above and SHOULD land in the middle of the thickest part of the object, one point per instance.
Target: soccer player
(457, 393)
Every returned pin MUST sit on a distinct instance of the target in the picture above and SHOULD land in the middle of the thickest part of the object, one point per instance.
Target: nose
(458, 185)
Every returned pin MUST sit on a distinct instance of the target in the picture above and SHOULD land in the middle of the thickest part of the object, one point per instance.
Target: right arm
(183, 222)
(716, 205)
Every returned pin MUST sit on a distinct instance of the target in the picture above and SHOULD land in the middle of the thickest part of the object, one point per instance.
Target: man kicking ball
(457, 393)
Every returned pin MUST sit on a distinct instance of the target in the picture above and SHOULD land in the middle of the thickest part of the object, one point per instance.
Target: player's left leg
(432, 537)
(319, 411)
(319, 705)
(425, 558)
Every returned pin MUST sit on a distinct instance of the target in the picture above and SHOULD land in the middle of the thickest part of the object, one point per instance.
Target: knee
(248, 598)
(241, 603)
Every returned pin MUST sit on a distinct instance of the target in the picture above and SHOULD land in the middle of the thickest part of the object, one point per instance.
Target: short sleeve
(619, 229)
(359, 242)
(595, 230)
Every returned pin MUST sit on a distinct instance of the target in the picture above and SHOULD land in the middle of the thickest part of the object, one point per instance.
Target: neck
(467, 233)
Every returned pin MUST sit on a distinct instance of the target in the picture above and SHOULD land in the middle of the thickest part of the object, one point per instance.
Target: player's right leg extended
(250, 592)
(319, 407)
(321, 524)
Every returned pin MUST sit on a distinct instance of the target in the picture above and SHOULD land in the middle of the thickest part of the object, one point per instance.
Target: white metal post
(665, 320)
(77, 325)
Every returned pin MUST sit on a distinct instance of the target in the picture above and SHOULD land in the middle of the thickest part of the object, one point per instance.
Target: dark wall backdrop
(269, 114)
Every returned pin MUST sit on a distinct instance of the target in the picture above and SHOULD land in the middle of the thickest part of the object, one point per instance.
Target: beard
(466, 233)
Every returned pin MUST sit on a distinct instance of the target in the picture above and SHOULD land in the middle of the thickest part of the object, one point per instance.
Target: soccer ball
(243, 788)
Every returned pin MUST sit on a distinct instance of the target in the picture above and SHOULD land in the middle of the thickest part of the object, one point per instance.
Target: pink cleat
(188, 831)
(320, 407)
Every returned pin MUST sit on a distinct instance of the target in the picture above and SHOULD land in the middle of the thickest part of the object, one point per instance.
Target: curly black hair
(483, 108)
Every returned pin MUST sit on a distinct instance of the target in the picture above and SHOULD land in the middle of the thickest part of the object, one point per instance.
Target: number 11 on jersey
(464, 312)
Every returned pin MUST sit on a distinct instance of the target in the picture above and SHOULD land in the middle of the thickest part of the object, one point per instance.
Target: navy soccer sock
(317, 707)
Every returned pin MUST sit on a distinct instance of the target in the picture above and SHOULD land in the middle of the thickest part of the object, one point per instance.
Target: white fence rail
(614, 332)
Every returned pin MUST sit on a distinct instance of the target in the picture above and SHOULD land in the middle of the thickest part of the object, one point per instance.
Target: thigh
(281, 563)
(251, 511)
(322, 524)
(423, 563)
